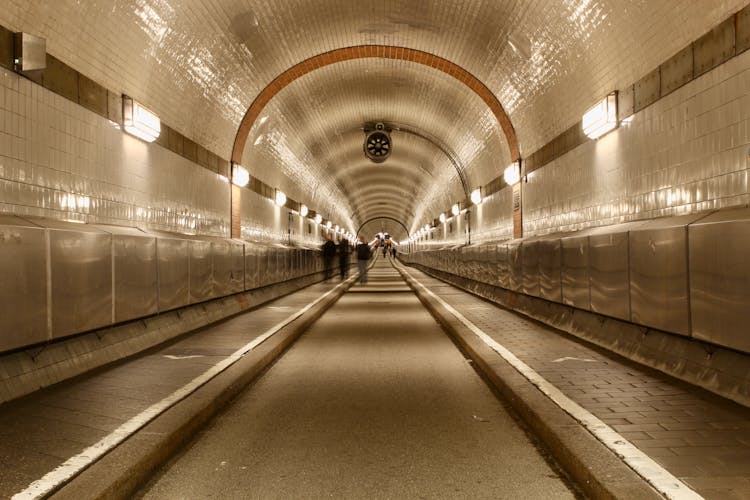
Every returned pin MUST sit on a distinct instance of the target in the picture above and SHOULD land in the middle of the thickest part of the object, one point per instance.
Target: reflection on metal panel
(135, 276)
(720, 278)
(659, 274)
(252, 263)
(608, 269)
(174, 275)
(515, 266)
(221, 252)
(200, 270)
(23, 283)
(530, 259)
(549, 269)
(575, 272)
(81, 277)
(237, 279)
(503, 266)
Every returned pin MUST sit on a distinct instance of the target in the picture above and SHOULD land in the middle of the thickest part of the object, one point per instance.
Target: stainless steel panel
(30, 51)
(530, 259)
(221, 254)
(23, 284)
(251, 266)
(550, 264)
(714, 47)
(201, 272)
(81, 278)
(608, 270)
(659, 274)
(174, 273)
(136, 283)
(515, 266)
(503, 265)
(237, 279)
(677, 70)
(720, 278)
(575, 271)
(646, 90)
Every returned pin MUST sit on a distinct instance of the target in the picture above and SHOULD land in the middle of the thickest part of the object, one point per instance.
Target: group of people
(330, 250)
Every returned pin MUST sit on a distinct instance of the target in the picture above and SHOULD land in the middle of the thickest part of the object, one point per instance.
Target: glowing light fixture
(476, 196)
(329, 224)
(240, 175)
(318, 219)
(280, 198)
(336, 228)
(601, 118)
(303, 211)
(139, 121)
(512, 174)
(455, 209)
(442, 218)
(426, 227)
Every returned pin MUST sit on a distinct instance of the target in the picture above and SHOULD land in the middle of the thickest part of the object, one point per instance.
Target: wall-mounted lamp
(426, 227)
(318, 219)
(240, 175)
(442, 218)
(139, 121)
(303, 210)
(455, 209)
(601, 118)
(329, 224)
(512, 174)
(476, 196)
(280, 198)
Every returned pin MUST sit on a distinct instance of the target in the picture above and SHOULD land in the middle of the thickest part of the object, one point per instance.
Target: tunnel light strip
(78, 463)
(661, 479)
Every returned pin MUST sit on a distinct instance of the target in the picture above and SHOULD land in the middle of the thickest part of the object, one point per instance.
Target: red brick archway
(362, 52)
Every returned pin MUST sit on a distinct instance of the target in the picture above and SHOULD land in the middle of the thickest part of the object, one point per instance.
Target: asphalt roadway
(373, 401)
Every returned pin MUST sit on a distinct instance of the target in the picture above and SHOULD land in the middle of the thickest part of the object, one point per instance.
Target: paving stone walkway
(700, 438)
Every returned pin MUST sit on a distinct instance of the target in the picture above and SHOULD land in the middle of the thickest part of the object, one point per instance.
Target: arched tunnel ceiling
(200, 64)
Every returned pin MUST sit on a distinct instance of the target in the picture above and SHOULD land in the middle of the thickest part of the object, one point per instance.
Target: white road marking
(172, 356)
(75, 465)
(568, 358)
(661, 479)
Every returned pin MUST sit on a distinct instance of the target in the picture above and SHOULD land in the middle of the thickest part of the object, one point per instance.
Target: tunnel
(329, 248)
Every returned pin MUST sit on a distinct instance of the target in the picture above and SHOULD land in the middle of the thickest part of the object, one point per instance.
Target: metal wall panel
(503, 265)
(81, 278)
(515, 266)
(550, 264)
(608, 270)
(174, 273)
(201, 272)
(530, 259)
(576, 289)
(23, 279)
(251, 266)
(136, 282)
(720, 278)
(237, 280)
(659, 274)
(221, 255)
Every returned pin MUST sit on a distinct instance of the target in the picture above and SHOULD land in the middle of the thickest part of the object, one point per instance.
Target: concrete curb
(121, 472)
(597, 471)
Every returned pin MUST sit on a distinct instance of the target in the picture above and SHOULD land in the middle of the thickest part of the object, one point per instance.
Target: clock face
(378, 146)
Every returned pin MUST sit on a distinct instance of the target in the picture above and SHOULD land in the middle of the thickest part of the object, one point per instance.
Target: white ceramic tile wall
(200, 63)
(58, 159)
(687, 152)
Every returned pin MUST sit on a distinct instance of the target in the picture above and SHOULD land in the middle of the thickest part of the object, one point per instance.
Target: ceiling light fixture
(240, 175)
(476, 196)
(139, 121)
(601, 118)
(512, 174)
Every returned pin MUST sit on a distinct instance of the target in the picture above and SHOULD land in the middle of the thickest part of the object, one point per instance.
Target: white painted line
(568, 358)
(74, 465)
(661, 479)
(172, 356)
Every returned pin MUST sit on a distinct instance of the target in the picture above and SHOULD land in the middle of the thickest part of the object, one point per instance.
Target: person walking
(329, 252)
(363, 258)
(344, 258)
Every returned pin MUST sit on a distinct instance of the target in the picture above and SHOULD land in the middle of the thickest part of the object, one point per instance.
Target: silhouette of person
(329, 252)
(363, 257)
(344, 258)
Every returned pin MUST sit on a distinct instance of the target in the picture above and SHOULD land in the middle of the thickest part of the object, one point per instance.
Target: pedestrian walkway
(373, 401)
(40, 432)
(702, 439)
